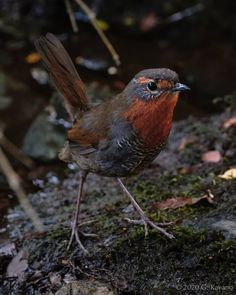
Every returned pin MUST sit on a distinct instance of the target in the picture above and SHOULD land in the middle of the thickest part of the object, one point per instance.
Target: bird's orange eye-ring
(152, 86)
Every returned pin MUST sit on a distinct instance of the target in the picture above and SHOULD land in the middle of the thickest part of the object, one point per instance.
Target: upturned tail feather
(63, 73)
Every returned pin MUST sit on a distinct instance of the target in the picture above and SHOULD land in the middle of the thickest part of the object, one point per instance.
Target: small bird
(119, 137)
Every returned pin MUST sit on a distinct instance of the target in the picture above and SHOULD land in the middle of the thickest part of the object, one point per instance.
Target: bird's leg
(145, 221)
(74, 232)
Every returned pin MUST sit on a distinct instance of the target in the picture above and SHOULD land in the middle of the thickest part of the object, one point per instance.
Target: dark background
(195, 38)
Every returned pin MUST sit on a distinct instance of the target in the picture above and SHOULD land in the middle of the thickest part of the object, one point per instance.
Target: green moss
(223, 247)
(198, 254)
(188, 235)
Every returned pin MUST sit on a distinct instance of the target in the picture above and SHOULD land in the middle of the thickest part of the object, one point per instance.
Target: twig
(71, 16)
(14, 183)
(15, 151)
(93, 20)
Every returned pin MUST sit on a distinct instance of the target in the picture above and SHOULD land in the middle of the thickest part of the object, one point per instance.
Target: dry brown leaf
(229, 174)
(211, 157)
(33, 58)
(174, 203)
(230, 122)
(18, 265)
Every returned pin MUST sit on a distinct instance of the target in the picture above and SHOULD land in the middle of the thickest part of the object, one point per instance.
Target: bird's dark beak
(180, 87)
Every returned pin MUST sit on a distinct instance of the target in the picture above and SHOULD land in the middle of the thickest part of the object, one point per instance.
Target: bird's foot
(145, 221)
(75, 236)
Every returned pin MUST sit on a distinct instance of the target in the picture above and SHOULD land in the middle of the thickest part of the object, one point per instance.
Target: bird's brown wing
(90, 130)
(63, 73)
(84, 137)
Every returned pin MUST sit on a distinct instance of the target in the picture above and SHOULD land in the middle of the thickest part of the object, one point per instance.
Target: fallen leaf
(211, 157)
(230, 122)
(18, 265)
(186, 141)
(174, 203)
(33, 58)
(148, 22)
(229, 174)
(103, 25)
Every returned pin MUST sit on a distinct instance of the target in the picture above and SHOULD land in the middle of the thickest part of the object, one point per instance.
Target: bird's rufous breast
(152, 119)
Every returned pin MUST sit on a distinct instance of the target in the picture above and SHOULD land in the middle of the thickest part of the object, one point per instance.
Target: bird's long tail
(63, 73)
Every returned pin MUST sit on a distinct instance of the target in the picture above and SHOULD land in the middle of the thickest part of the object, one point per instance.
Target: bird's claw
(75, 236)
(80, 244)
(146, 221)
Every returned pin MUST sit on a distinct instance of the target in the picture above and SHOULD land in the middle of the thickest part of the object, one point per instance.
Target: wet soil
(201, 258)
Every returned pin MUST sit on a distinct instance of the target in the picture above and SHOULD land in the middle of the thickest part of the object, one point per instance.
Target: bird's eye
(152, 86)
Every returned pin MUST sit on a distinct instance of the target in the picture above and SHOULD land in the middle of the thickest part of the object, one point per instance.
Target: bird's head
(152, 96)
(153, 84)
